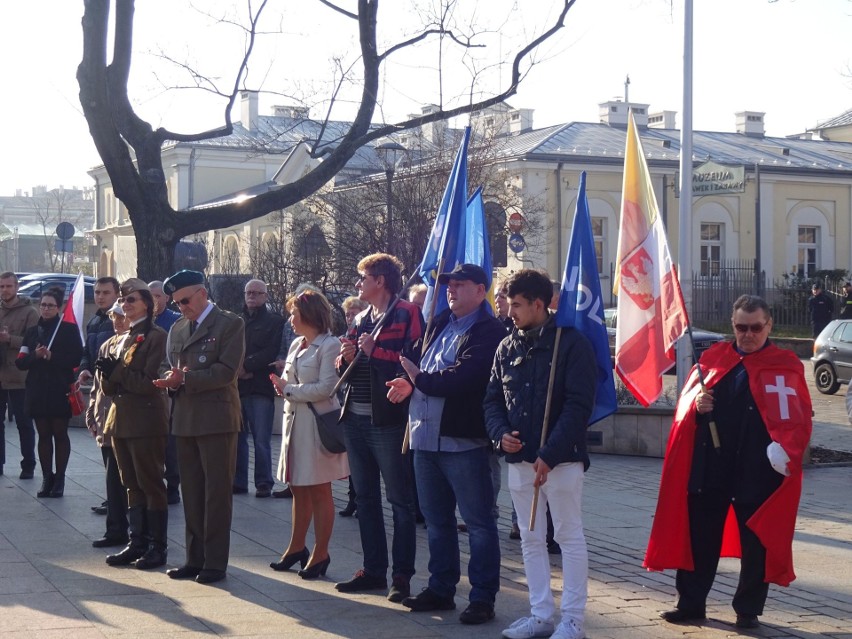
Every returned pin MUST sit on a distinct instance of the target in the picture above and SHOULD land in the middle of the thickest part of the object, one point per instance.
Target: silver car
(832, 358)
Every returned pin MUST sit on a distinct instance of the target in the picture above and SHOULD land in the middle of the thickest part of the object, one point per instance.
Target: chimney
(434, 132)
(520, 120)
(614, 113)
(248, 117)
(750, 123)
(662, 120)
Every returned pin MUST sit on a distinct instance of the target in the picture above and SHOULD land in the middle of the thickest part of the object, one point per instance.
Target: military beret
(182, 279)
(132, 285)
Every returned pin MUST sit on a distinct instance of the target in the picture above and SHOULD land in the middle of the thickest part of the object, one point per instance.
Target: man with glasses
(16, 316)
(375, 425)
(205, 353)
(257, 394)
(732, 476)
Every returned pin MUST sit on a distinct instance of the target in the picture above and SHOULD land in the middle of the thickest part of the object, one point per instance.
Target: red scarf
(777, 384)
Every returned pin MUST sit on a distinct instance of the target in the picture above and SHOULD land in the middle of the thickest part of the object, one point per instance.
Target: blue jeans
(16, 399)
(442, 480)
(376, 451)
(258, 413)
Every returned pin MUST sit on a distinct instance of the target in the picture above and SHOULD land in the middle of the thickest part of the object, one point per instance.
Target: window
(711, 249)
(807, 258)
(599, 233)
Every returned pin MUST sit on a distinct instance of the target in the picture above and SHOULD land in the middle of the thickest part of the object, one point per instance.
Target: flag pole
(547, 405)
(714, 430)
(55, 331)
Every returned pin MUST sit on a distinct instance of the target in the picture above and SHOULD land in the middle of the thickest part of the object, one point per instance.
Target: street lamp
(389, 153)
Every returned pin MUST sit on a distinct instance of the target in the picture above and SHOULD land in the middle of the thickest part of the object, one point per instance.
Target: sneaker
(400, 589)
(429, 600)
(477, 612)
(362, 581)
(528, 627)
(568, 629)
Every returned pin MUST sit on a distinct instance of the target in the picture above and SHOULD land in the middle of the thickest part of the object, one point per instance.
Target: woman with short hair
(50, 352)
(309, 376)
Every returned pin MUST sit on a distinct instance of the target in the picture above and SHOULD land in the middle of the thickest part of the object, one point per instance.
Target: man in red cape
(732, 476)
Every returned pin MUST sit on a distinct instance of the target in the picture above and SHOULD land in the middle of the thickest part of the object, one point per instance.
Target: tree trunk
(155, 242)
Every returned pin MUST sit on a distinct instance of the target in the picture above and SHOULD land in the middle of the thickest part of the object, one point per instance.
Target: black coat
(263, 342)
(48, 380)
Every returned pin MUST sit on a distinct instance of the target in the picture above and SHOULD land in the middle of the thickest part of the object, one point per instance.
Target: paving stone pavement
(54, 584)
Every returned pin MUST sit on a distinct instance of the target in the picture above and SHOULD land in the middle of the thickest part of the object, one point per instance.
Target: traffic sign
(65, 230)
(516, 242)
(516, 222)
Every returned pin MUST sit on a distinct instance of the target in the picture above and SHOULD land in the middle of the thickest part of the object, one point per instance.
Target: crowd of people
(429, 403)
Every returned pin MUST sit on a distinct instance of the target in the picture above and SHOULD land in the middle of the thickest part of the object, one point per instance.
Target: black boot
(46, 485)
(138, 540)
(58, 488)
(158, 543)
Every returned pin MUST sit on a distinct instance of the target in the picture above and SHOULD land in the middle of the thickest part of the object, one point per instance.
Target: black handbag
(330, 429)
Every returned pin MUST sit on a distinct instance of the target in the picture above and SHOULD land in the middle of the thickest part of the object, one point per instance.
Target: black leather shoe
(477, 612)
(747, 621)
(288, 561)
(362, 581)
(109, 542)
(400, 589)
(125, 557)
(349, 510)
(284, 493)
(173, 498)
(681, 616)
(46, 486)
(26, 473)
(209, 576)
(153, 558)
(99, 510)
(184, 572)
(429, 600)
(263, 493)
(58, 488)
(317, 570)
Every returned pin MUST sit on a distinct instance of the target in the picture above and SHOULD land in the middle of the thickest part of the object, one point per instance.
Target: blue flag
(446, 247)
(581, 302)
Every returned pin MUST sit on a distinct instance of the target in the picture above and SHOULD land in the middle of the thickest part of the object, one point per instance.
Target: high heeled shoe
(288, 561)
(317, 570)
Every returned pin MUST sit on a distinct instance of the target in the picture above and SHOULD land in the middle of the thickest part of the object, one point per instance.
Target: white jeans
(564, 492)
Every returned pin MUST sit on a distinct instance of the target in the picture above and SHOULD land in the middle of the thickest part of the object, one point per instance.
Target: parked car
(832, 358)
(34, 284)
(701, 338)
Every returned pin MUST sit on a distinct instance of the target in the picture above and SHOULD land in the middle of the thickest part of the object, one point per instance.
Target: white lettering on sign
(783, 392)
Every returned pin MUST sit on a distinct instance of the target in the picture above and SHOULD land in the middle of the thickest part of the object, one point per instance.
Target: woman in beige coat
(309, 376)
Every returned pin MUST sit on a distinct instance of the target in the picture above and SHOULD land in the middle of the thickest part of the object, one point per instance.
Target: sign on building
(712, 178)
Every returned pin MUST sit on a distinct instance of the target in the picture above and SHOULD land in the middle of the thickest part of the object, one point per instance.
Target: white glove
(778, 458)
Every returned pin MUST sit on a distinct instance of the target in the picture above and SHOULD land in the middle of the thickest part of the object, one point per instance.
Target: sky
(791, 59)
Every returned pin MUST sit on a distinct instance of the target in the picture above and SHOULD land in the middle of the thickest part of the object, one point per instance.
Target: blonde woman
(309, 376)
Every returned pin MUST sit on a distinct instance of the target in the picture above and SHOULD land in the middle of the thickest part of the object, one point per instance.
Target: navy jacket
(98, 330)
(517, 392)
(462, 385)
(263, 341)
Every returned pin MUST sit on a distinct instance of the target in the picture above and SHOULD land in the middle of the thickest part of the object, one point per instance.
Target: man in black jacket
(257, 395)
(451, 447)
(514, 405)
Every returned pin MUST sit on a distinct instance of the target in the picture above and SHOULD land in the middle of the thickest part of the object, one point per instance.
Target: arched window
(230, 256)
(314, 250)
(495, 220)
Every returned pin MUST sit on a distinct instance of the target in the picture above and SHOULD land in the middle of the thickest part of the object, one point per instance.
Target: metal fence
(713, 297)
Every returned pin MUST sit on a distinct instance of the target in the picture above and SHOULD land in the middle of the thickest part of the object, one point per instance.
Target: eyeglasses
(130, 299)
(185, 300)
(754, 328)
(254, 293)
(48, 305)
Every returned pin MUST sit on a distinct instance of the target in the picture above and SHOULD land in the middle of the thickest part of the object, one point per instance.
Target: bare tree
(130, 147)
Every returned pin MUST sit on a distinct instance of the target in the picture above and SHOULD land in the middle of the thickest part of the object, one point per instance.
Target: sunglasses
(185, 300)
(130, 299)
(754, 328)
